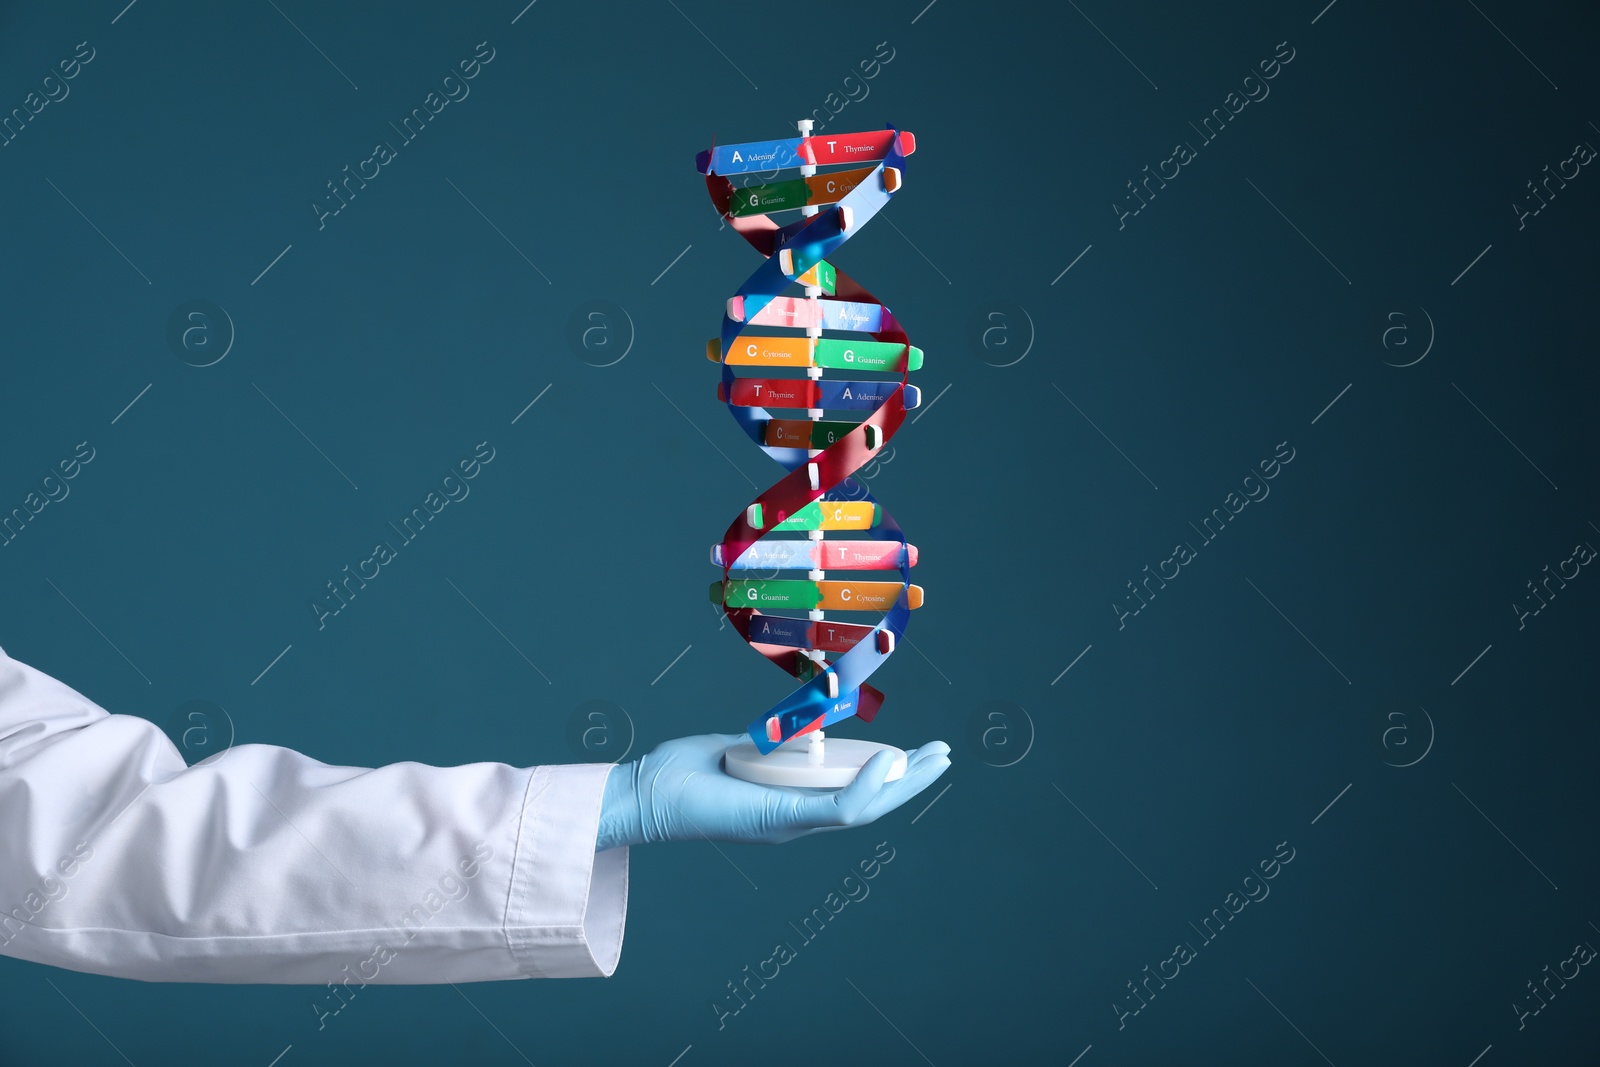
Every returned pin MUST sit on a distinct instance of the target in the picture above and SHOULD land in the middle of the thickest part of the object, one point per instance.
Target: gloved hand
(679, 792)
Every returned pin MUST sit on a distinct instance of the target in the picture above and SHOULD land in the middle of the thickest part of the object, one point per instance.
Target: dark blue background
(1197, 337)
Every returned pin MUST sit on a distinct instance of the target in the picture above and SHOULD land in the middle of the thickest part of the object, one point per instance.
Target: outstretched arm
(263, 865)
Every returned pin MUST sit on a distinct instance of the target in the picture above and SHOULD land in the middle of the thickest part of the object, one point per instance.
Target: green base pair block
(767, 593)
(823, 515)
(864, 355)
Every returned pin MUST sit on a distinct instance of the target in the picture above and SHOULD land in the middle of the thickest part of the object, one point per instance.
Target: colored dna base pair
(820, 452)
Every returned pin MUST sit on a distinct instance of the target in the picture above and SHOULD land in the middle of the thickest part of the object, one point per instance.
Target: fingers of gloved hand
(920, 774)
(843, 807)
(917, 756)
(928, 753)
(932, 748)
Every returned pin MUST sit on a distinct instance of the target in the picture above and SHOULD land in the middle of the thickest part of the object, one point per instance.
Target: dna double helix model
(836, 326)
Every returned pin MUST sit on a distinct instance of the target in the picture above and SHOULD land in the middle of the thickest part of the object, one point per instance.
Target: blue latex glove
(679, 792)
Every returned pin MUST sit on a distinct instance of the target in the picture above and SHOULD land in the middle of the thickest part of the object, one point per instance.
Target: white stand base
(791, 765)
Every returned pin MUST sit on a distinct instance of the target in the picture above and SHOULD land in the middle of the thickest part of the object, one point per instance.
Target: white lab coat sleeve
(263, 865)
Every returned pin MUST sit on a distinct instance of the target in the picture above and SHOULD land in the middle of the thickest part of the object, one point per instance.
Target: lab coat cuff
(568, 903)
